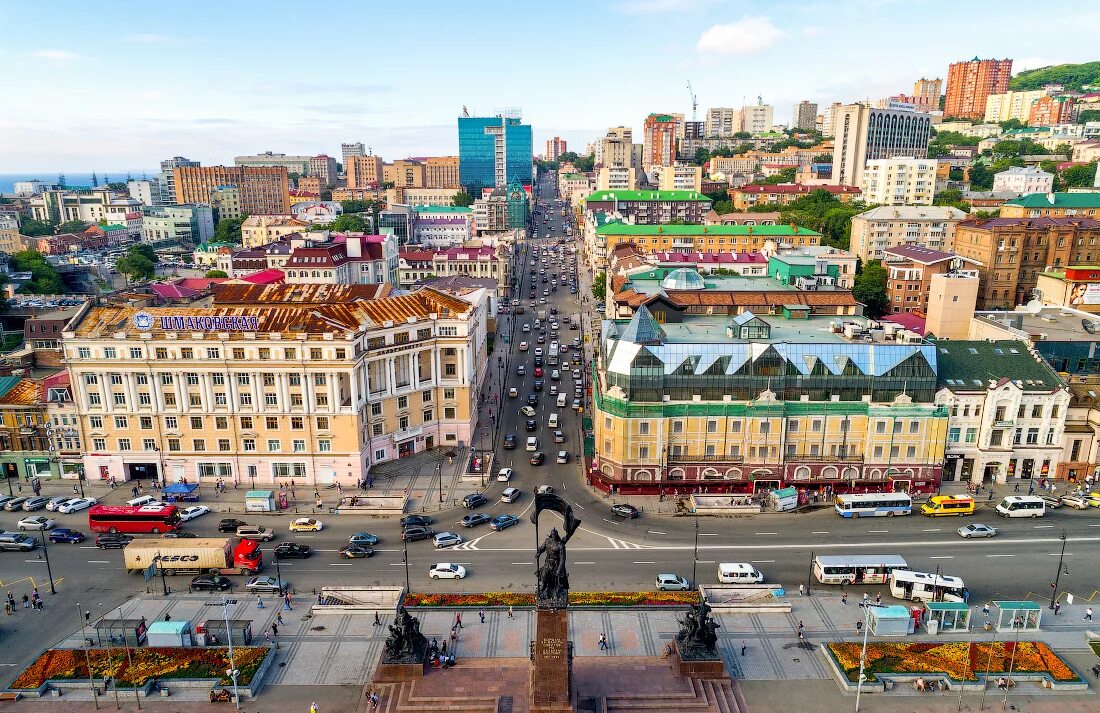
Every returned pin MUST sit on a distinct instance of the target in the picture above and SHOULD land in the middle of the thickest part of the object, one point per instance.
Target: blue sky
(120, 85)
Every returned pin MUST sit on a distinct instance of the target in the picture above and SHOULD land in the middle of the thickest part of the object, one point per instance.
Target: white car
(527, 411)
(445, 570)
(447, 539)
(36, 522)
(306, 524)
(545, 490)
(504, 475)
(76, 504)
(190, 513)
(56, 502)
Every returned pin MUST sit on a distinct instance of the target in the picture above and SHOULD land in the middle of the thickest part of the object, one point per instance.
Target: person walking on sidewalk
(377, 619)
(603, 642)
(458, 620)
(510, 616)
(1057, 608)
(1088, 614)
(481, 614)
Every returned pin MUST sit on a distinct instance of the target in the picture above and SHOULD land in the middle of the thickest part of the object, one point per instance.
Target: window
(324, 445)
(322, 423)
(765, 428)
(377, 429)
(320, 379)
(1036, 411)
(953, 434)
(246, 423)
(221, 423)
(220, 398)
(712, 426)
(116, 379)
(166, 379)
(1032, 436)
(121, 422)
(643, 453)
(376, 409)
(815, 425)
(403, 423)
(271, 423)
(171, 423)
(91, 379)
(120, 399)
(297, 423)
(243, 380)
(161, 353)
(223, 445)
(449, 412)
(238, 353)
(187, 353)
(643, 428)
(290, 354)
(192, 378)
(84, 353)
(911, 452)
(294, 379)
(914, 427)
(315, 354)
(194, 400)
(677, 426)
(145, 422)
(402, 402)
(174, 445)
(124, 444)
(878, 452)
(295, 399)
(288, 470)
(95, 400)
(246, 399)
(196, 422)
(322, 399)
(449, 394)
(971, 435)
(214, 353)
(248, 445)
(269, 379)
(199, 444)
(217, 379)
(449, 370)
(170, 400)
(99, 444)
(215, 470)
(298, 445)
(274, 445)
(110, 353)
(996, 437)
(264, 353)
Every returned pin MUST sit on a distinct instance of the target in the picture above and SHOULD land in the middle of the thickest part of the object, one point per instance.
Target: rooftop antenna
(694, 101)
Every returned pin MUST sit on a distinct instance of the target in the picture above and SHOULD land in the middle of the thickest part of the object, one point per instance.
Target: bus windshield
(856, 569)
(857, 505)
(125, 518)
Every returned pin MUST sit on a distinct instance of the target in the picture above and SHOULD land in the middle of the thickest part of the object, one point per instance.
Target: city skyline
(203, 90)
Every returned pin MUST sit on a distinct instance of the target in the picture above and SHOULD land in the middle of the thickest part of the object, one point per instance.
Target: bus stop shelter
(889, 621)
(121, 632)
(947, 617)
(1021, 615)
(214, 632)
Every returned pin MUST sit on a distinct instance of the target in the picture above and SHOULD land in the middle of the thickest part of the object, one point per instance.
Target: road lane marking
(1000, 555)
(584, 563)
(708, 534)
(767, 533)
(645, 562)
(526, 563)
(1058, 554)
(339, 564)
(1042, 527)
(933, 529)
(942, 557)
(820, 532)
(761, 561)
(878, 532)
(99, 561)
(656, 532)
(704, 561)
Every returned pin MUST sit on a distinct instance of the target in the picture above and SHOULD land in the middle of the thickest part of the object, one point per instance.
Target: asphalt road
(607, 553)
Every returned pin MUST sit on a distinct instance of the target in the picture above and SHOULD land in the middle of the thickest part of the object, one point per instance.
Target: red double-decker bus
(125, 518)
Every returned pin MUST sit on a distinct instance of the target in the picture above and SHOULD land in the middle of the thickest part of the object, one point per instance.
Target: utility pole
(1058, 574)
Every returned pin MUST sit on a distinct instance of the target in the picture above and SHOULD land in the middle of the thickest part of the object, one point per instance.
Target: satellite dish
(1033, 307)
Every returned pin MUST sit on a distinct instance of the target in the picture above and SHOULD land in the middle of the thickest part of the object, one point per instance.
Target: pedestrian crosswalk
(625, 545)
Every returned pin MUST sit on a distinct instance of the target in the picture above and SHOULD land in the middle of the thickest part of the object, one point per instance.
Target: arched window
(802, 473)
(829, 472)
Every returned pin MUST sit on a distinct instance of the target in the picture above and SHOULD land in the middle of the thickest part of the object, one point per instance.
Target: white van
(739, 573)
(532, 443)
(553, 422)
(561, 401)
(1022, 506)
(143, 500)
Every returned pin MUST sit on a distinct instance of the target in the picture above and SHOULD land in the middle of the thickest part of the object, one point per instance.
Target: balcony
(680, 458)
(804, 458)
(1002, 423)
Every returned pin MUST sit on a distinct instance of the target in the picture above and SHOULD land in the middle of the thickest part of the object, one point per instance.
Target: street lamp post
(232, 672)
(862, 655)
(1058, 574)
(80, 480)
(405, 559)
(87, 656)
(46, 550)
(1017, 625)
(695, 556)
(113, 679)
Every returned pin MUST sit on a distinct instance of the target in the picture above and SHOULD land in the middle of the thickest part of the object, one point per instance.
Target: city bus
(1022, 506)
(857, 505)
(856, 569)
(125, 518)
(925, 587)
(938, 505)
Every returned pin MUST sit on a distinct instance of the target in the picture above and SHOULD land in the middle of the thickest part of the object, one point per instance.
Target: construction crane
(694, 101)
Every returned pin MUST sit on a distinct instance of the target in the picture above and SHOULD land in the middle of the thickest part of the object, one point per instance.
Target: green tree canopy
(599, 286)
(742, 135)
(228, 230)
(1088, 115)
(870, 289)
(1072, 76)
(585, 164)
(463, 199)
(139, 263)
(786, 175)
(1082, 175)
(34, 228)
(1010, 124)
(351, 222)
(45, 280)
(951, 197)
(216, 273)
(724, 206)
(567, 157)
(72, 226)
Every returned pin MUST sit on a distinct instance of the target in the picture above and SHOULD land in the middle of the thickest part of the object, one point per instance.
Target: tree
(1082, 175)
(326, 195)
(139, 263)
(145, 251)
(981, 178)
(1088, 115)
(1071, 76)
(387, 184)
(117, 185)
(784, 176)
(951, 197)
(45, 280)
(216, 273)
(351, 223)
(702, 155)
(599, 286)
(463, 199)
(742, 135)
(1063, 150)
(228, 230)
(568, 157)
(870, 289)
(34, 228)
(1011, 124)
(72, 226)
(584, 164)
(722, 207)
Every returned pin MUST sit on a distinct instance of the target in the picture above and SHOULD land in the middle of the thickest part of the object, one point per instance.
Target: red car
(538, 371)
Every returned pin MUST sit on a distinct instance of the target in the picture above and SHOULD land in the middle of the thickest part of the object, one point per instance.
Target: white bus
(856, 569)
(1022, 506)
(925, 587)
(857, 505)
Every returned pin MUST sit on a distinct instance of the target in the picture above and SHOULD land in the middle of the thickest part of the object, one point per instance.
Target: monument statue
(553, 579)
(698, 638)
(405, 644)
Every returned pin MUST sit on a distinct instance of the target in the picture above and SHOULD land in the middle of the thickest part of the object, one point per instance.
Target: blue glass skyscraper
(493, 151)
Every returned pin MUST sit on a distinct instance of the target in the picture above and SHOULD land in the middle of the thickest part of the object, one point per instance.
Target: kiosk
(259, 501)
(171, 633)
(889, 620)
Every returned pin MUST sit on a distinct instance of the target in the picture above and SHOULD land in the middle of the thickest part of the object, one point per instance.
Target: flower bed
(144, 663)
(579, 599)
(958, 660)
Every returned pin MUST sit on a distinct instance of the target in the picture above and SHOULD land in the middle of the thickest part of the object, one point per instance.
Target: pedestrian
(481, 613)
(377, 619)
(1088, 614)
(985, 609)
(510, 612)
(75, 490)
(458, 620)
(878, 599)
(26, 602)
(866, 596)
(259, 602)
(11, 600)
(443, 650)
(801, 589)
(859, 627)
(801, 636)
(990, 495)
(1016, 489)
(320, 599)
(267, 636)
(801, 626)
(7, 608)
(844, 598)
(1057, 608)
(743, 647)
(279, 618)
(454, 633)
(274, 629)
(603, 642)
(374, 699)
(286, 602)
(313, 707)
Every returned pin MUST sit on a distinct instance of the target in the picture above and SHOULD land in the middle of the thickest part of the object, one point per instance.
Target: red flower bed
(142, 664)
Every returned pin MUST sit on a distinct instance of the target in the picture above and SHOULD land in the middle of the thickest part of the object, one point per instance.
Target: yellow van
(948, 505)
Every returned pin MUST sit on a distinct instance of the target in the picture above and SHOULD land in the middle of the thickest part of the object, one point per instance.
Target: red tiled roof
(265, 277)
(200, 283)
(169, 291)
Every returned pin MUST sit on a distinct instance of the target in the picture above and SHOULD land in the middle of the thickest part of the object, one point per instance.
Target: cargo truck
(195, 556)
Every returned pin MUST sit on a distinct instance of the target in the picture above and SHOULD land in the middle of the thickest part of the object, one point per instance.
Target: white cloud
(149, 38)
(56, 55)
(746, 36)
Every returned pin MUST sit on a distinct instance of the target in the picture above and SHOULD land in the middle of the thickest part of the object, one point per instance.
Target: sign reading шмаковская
(202, 323)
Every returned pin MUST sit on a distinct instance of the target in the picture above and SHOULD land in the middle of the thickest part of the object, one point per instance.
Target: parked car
(210, 583)
(356, 552)
(267, 584)
(35, 503)
(54, 502)
(446, 539)
(190, 513)
(445, 570)
(672, 583)
(75, 505)
(1076, 502)
(16, 503)
(293, 550)
(64, 534)
(474, 518)
(503, 522)
(624, 510)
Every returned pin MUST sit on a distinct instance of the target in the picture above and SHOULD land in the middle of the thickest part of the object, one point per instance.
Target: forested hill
(1071, 76)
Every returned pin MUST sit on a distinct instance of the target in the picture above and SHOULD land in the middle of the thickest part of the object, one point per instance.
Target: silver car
(977, 529)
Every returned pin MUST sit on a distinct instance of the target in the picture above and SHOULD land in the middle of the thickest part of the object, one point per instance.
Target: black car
(475, 518)
(179, 535)
(537, 361)
(356, 552)
(293, 550)
(473, 500)
(538, 385)
(624, 510)
(509, 441)
(532, 425)
(230, 525)
(210, 583)
(414, 533)
(532, 400)
(108, 541)
(417, 520)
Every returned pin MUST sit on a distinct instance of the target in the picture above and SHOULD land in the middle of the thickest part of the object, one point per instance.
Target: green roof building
(1053, 205)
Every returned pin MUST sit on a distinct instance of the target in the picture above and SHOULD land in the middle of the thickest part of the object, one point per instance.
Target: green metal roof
(969, 365)
(625, 195)
(617, 228)
(1061, 200)
(7, 383)
(1017, 605)
(946, 606)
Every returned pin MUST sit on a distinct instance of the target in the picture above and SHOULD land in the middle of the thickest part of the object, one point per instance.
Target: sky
(120, 85)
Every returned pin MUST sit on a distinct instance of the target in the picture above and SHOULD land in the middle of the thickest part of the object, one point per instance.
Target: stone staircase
(702, 696)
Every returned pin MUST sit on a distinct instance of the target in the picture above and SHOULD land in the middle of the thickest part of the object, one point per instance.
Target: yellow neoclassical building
(275, 390)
